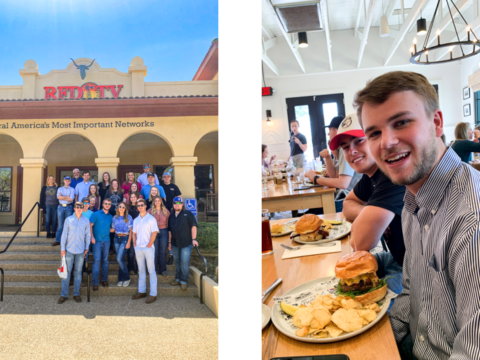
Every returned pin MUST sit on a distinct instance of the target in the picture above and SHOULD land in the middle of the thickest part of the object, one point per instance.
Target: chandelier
(416, 56)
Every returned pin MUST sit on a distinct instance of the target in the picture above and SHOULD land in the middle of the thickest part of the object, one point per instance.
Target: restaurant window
(204, 184)
(5, 189)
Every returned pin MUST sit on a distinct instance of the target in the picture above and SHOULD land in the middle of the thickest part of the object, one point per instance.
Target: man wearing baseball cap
(182, 232)
(341, 176)
(143, 178)
(375, 204)
(171, 190)
(65, 196)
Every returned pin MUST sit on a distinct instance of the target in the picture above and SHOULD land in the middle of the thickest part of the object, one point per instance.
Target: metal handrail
(13, 238)
(201, 275)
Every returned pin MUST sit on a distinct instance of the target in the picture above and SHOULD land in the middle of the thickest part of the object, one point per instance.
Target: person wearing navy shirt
(151, 182)
(75, 179)
(171, 190)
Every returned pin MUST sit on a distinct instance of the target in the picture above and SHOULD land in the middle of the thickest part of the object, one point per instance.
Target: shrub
(207, 236)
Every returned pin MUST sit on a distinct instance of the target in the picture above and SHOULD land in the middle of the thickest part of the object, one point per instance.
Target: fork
(293, 248)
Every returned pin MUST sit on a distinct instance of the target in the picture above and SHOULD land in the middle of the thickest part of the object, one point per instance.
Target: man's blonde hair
(382, 87)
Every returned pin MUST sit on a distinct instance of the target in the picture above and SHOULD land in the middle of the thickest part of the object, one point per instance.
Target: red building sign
(86, 91)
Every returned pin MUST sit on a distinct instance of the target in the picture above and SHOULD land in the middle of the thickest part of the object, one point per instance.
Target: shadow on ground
(164, 307)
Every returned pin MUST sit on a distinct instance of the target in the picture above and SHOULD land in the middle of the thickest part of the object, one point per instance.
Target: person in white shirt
(145, 231)
(143, 178)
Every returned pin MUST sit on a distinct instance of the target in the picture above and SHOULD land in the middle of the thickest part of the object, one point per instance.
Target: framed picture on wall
(466, 110)
(466, 93)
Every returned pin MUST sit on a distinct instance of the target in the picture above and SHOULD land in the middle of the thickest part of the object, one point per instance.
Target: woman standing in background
(49, 205)
(103, 187)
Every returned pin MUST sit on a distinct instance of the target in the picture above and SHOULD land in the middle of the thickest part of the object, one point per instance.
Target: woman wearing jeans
(49, 206)
(161, 214)
(122, 224)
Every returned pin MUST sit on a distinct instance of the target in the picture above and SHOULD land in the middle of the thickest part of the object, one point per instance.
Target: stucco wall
(207, 153)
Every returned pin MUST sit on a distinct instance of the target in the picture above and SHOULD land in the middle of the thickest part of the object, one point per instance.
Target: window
(5, 189)
(204, 184)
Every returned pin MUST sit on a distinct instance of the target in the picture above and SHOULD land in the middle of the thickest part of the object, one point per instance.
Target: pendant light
(384, 29)
(421, 25)
(302, 40)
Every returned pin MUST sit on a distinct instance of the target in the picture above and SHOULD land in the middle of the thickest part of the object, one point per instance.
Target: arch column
(109, 165)
(184, 175)
(32, 185)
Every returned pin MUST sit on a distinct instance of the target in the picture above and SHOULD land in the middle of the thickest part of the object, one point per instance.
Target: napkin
(308, 250)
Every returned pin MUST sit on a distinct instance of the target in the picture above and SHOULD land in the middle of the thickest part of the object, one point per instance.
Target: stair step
(14, 254)
(52, 276)
(50, 265)
(18, 240)
(54, 288)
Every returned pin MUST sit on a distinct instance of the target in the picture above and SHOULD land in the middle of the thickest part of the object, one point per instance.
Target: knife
(269, 290)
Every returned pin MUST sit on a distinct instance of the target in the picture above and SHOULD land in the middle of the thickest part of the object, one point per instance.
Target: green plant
(207, 236)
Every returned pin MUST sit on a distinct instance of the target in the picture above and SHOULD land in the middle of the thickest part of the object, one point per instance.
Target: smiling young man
(437, 315)
(375, 203)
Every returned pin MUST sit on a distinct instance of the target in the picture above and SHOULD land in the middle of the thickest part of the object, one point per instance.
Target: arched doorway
(68, 152)
(143, 148)
(206, 169)
(11, 181)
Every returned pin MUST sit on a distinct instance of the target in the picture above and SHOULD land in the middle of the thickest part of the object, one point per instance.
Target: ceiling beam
(447, 20)
(292, 47)
(475, 25)
(324, 11)
(390, 8)
(359, 12)
(366, 29)
(268, 45)
(266, 29)
(412, 16)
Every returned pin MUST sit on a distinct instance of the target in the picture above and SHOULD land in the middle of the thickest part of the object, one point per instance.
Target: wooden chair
(211, 206)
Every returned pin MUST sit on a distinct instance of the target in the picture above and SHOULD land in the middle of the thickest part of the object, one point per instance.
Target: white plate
(338, 232)
(288, 223)
(283, 327)
(265, 315)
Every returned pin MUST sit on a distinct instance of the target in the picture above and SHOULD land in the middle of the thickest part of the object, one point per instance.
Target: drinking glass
(267, 246)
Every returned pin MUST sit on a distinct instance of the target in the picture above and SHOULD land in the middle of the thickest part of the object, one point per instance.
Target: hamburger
(310, 228)
(358, 278)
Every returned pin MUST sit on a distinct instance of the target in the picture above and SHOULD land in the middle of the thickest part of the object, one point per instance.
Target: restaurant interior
(315, 56)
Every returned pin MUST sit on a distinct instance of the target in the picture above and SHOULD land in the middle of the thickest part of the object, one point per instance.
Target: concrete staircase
(30, 266)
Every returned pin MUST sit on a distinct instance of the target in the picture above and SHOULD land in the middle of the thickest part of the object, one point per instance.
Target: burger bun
(307, 224)
(374, 296)
(355, 264)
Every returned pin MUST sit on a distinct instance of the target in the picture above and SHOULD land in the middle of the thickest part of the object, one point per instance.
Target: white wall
(449, 77)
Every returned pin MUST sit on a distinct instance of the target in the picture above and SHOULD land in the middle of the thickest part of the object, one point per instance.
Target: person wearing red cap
(375, 204)
(341, 176)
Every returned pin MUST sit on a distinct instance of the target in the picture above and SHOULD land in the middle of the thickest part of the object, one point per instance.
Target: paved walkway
(109, 327)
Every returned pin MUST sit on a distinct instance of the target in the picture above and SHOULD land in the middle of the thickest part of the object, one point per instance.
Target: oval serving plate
(286, 329)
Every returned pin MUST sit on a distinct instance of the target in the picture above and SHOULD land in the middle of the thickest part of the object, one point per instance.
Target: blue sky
(172, 36)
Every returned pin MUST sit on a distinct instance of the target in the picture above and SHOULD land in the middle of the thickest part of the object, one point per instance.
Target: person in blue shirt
(86, 208)
(151, 182)
(83, 188)
(142, 179)
(100, 223)
(76, 178)
(65, 196)
(122, 224)
(74, 247)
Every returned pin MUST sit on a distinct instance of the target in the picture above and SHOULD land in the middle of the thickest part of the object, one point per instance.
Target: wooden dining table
(375, 343)
(284, 197)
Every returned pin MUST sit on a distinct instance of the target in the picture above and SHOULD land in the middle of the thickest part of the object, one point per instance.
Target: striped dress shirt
(440, 301)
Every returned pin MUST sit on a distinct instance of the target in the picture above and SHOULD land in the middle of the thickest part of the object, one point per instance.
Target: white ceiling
(342, 18)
